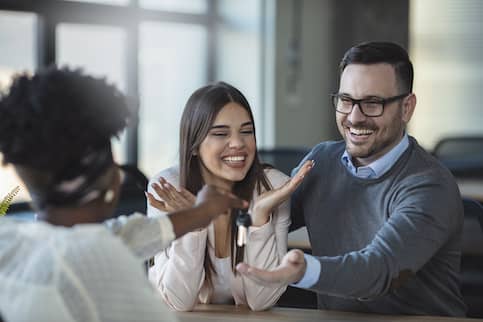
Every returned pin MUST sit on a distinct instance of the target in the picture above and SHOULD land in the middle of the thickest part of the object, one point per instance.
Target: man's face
(369, 138)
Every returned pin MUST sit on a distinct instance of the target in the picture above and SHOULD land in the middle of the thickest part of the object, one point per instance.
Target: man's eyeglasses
(371, 107)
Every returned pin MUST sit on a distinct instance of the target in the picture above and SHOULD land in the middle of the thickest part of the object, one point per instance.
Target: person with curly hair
(55, 129)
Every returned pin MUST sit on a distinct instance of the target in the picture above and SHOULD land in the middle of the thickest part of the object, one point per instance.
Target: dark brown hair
(383, 52)
(198, 116)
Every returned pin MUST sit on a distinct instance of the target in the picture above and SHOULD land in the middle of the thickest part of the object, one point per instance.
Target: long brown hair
(198, 116)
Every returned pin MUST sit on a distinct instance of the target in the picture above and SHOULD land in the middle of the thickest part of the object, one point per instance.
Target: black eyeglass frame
(382, 101)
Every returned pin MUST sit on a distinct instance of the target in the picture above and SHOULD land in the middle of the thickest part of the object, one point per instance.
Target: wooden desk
(222, 313)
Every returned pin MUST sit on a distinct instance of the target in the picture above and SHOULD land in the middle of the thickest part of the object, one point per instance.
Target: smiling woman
(218, 146)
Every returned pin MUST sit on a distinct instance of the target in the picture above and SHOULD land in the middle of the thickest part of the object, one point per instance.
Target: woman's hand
(171, 198)
(269, 200)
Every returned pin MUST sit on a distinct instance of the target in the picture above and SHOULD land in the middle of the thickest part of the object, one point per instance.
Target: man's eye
(372, 103)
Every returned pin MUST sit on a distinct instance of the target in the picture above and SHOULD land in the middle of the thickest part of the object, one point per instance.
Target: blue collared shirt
(374, 170)
(377, 168)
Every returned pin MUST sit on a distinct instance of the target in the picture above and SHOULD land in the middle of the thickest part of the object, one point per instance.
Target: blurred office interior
(283, 54)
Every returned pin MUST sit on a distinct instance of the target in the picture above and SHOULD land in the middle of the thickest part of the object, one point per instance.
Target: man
(384, 217)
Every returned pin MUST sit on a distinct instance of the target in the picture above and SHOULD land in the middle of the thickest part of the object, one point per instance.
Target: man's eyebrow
(363, 98)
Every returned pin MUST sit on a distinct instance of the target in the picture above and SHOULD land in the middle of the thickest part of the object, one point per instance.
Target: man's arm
(415, 232)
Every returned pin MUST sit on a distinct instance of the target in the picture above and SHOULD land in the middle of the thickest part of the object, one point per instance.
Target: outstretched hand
(210, 203)
(171, 198)
(269, 200)
(291, 270)
(217, 201)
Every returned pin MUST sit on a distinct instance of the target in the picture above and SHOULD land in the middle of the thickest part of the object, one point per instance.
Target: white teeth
(360, 131)
(234, 159)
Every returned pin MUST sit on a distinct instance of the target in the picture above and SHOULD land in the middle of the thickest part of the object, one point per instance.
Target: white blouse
(84, 273)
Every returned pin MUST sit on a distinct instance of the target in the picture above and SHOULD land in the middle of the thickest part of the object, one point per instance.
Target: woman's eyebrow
(219, 127)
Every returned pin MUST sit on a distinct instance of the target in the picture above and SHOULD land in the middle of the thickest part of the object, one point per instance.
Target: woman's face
(228, 150)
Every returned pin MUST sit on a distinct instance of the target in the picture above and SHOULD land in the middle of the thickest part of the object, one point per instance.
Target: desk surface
(222, 313)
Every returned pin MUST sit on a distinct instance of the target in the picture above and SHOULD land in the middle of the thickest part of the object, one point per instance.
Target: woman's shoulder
(171, 174)
(276, 177)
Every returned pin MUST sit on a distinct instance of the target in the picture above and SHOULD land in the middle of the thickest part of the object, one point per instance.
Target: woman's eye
(247, 132)
(219, 134)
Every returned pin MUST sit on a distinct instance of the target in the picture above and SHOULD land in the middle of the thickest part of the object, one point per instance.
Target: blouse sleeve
(265, 248)
(178, 272)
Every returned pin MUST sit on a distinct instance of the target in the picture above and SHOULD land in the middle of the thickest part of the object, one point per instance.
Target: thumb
(295, 256)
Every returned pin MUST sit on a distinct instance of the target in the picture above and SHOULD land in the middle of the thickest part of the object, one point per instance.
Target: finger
(300, 175)
(155, 202)
(162, 180)
(235, 202)
(171, 190)
(188, 195)
(277, 276)
(162, 192)
(295, 257)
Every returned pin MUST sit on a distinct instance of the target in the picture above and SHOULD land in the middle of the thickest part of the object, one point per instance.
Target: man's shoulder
(423, 164)
(327, 146)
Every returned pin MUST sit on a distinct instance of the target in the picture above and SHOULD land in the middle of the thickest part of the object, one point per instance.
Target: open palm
(269, 200)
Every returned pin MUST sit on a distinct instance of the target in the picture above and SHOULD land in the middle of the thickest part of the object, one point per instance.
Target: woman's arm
(178, 273)
(266, 246)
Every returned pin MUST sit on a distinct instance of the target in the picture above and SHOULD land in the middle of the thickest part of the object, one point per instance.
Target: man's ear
(409, 104)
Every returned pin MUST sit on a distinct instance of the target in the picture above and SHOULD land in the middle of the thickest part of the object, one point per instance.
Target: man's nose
(356, 115)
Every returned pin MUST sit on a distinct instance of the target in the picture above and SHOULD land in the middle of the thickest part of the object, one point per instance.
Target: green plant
(8, 200)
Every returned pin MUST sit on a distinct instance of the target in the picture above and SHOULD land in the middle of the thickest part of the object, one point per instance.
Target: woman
(55, 129)
(218, 147)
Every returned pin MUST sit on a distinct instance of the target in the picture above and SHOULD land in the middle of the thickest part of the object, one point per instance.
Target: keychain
(243, 221)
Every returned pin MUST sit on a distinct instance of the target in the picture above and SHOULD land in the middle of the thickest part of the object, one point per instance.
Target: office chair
(132, 198)
(472, 258)
(463, 155)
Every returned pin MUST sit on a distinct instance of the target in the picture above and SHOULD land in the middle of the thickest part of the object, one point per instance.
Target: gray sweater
(387, 245)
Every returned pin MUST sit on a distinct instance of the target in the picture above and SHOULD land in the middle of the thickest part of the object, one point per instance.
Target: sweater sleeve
(425, 212)
(265, 248)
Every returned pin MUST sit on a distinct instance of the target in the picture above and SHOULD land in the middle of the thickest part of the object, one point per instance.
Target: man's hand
(290, 271)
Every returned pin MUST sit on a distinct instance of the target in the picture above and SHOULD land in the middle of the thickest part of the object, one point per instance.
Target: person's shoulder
(171, 174)
(327, 146)
(275, 176)
(426, 164)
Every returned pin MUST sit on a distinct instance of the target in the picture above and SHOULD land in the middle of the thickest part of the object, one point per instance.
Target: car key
(243, 221)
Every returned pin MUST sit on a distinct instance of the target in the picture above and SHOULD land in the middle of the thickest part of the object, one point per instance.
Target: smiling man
(383, 216)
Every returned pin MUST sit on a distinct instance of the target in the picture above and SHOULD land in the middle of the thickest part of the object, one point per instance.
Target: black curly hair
(52, 119)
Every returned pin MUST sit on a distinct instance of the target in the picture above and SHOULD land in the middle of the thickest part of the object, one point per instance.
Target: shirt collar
(380, 166)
